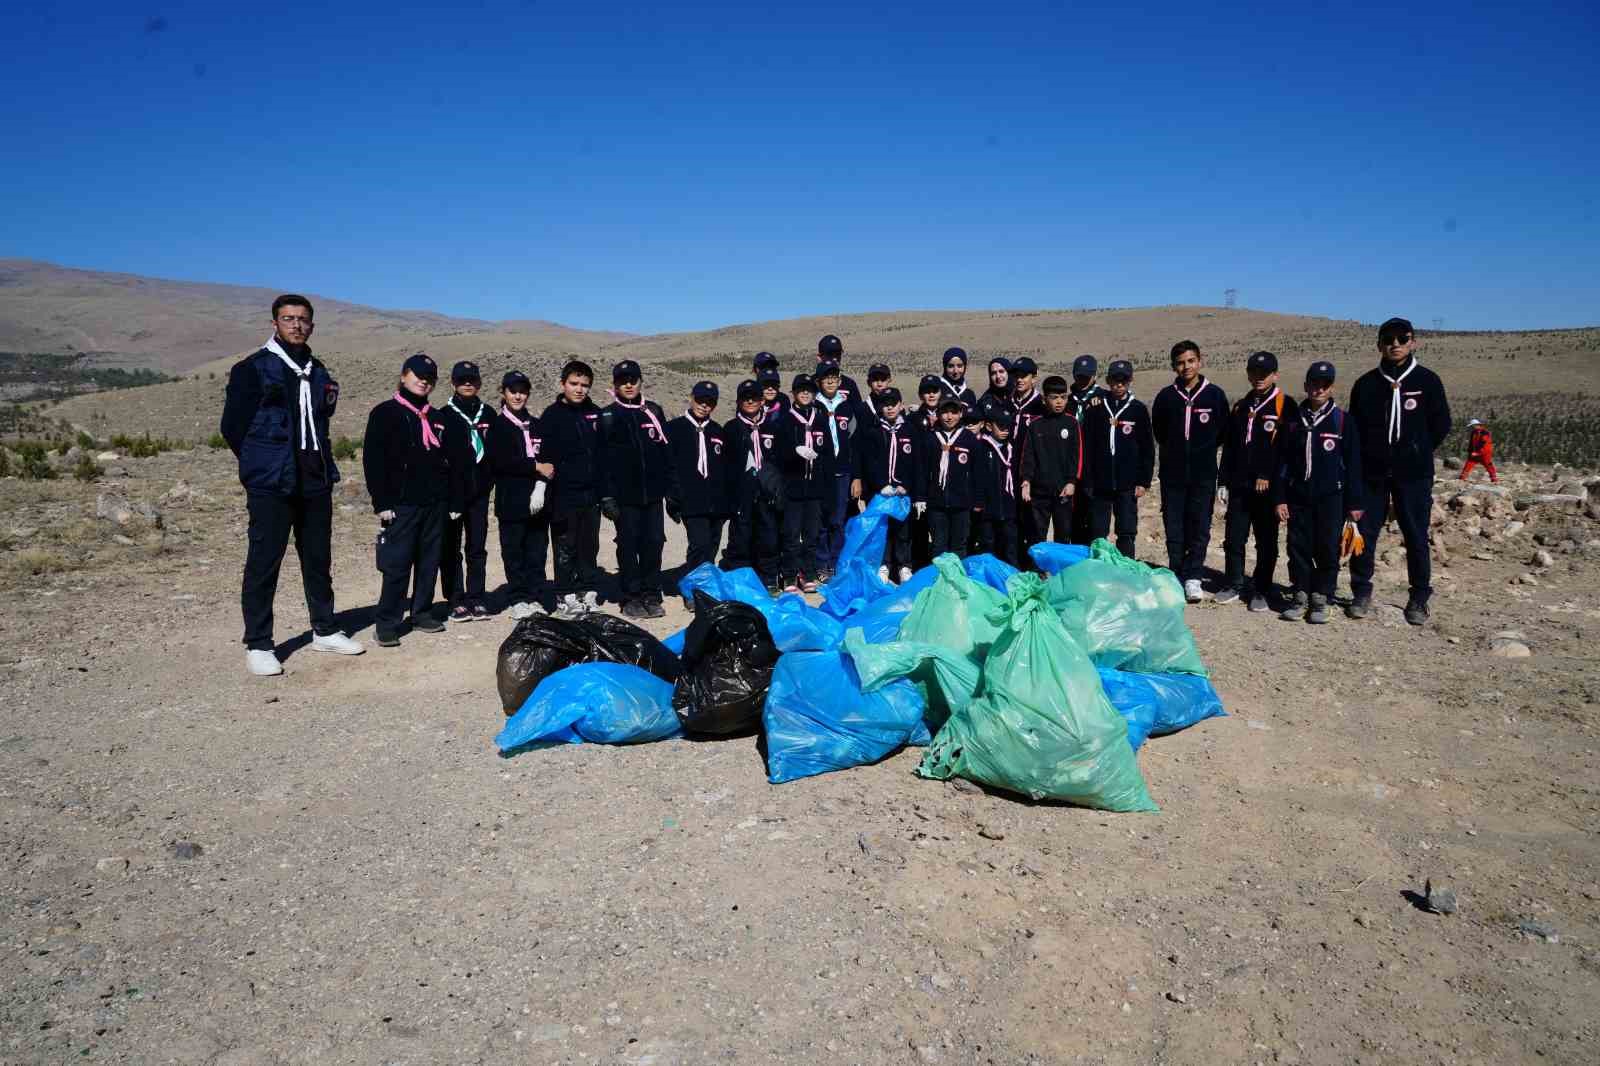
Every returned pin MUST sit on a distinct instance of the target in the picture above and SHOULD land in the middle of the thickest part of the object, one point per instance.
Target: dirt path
(375, 885)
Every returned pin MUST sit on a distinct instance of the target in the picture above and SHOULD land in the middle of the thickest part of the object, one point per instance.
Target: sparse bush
(35, 462)
(346, 448)
(5, 463)
(144, 447)
(34, 561)
(85, 441)
(216, 440)
(1548, 427)
(87, 469)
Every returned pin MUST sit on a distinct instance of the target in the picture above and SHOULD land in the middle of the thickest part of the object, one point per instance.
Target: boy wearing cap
(1480, 449)
(1252, 473)
(830, 349)
(954, 382)
(1084, 396)
(772, 392)
(1028, 403)
(1322, 476)
(522, 486)
(1402, 415)
(1188, 418)
(879, 378)
(757, 487)
(802, 436)
(951, 481)
(995, 510)
(570, 427)
(1122, 458)
(414, 487)
(841, 407)
(889, 461)
(923, 422)
(635, 476)
(468, 533)
(1052, 464)
(700, 458)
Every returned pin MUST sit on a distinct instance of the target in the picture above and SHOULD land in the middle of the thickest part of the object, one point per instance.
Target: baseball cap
(883, 399)
(627, 370)
(464, 372)
(950, 403)
(1322, 370)
(1024, 366)
(769, 376)
(1085, 366)
(1119, 370)
(515, 381)
(704, 391)
(826, 368)
(422, 366)
(749, 390)
(878, 372)
(764, 361)
(955, 353)
(929, 383)
(830, 346)
(802, 383)
(1262, 363)
(1395, 327)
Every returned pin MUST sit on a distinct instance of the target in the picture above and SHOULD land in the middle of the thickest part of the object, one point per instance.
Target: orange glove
(1351, 542)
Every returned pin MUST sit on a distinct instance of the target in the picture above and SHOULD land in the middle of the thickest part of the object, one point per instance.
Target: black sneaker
(1227, 594)
(479, 612)
(655, 609)
(427, 623)
(1296, 609)
(459, 613)
(1317, 614)
(635, 609)
(388, 640)
(1258, 603)
(1417, 613)
(1360, 605)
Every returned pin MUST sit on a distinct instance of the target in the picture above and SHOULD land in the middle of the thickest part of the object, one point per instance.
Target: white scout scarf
(308, 424)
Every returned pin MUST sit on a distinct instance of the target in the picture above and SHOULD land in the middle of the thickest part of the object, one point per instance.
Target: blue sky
(658, 167)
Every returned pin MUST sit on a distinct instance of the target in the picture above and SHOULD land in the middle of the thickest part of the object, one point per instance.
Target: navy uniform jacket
(745, 484)
(1081, 403)
(1333, 455)
(999, 478)
(1188, 429)
(635, 465)
(460, 415)
(700, 494)
(846, 417)
(570, 442)
(1028, 411)
(261, 423)
(873, 457)
(962, 478)
(400, 471)
(962, 392)
(1253, 448)
(802, 478)
(512, 466)
(1424, 416)
(1133, 463)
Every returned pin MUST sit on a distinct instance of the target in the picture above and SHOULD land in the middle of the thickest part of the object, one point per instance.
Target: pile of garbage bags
(1043, 684)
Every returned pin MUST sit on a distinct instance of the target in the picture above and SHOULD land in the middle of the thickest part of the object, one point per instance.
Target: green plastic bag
(954, 611)
(1042, 725)
(946, 679)
(1126, 615)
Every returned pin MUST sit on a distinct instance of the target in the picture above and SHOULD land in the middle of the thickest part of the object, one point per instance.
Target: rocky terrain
(335, 866)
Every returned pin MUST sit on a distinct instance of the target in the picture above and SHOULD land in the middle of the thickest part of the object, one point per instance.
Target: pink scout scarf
(755, 436)
(527, 434)
(429, 439)
(661, 433)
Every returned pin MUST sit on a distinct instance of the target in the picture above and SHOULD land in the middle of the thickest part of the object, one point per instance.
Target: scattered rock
(1452, 462)
(113, 508)
(1391, 616)
(1543, 558)
(1439, 900)
(961, 784)
(1513, 527)
(1551, 499)
(111, 866)
(1364, 919)
(1527, 579)
(1542, 930)
(880, 848)
(107, 457)
(1177, 997)
(1510, 649)
(990, 833)
(186, 849)
(1570, 488)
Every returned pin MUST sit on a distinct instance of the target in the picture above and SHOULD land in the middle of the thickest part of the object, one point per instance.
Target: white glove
(455, 516)
(1222, 495)
(536, 499)
(806, 452)
(899, 490)
(386, 516)
(887, 490)
(919, 508)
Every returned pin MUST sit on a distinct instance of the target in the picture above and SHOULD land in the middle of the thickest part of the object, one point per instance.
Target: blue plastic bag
(1155, 704)
(856, 571)
(743, 584)
(817, 718)
(989, 570)
(674, 643)
(880, 620)
(603, 703)
(855, 584)
(1052, 558)
(794, 624)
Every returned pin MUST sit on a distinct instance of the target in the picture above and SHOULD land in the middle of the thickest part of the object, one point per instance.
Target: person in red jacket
(1480, 449)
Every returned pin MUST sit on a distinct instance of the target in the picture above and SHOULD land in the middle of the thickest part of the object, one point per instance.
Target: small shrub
(63, 447)
(33, 561)
(217, 440)
(35, 462)
(85, 441)
(346, 448)
(5, 463)
(87, 469)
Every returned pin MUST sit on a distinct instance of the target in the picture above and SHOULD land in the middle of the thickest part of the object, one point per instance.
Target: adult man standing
(1402, 416)
(275, 419)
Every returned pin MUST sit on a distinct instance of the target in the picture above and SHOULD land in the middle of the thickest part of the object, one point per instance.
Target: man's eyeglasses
(294, 320)
(1404, 338)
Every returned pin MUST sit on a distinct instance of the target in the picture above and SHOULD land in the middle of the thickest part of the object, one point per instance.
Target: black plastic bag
(728, 656)
(541, 645)
(769, 479)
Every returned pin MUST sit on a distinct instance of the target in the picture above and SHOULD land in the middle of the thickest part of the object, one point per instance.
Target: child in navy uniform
(1082, 397)
(1252, 473)
(414, 488)
(951, 480)
(802, 435)
(1321, 489)
(772, 392)
(1052, 464)
(888, 460)
(470, 532)
(756, 487)
(842, 409)
(1188, 418)
(522, 472)
(700, 459)
(1122, 458)
(635, 476)
(570, 425)
(995, 511)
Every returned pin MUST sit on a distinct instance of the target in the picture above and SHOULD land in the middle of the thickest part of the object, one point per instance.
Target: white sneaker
(883, 574)
(571, 607)
(1192, 591)
(337, 643)
(262, 663)
(905, 574)
(591, 601)
(519, 611)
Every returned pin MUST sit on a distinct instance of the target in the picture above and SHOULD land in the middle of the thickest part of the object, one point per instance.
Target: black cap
(826, 368)
(1321, 370)
(1119, 370)
(1085, 366)
(764, 361)
(749, 390)
(879, 372)
(1055, 383)
(704, 391)
(464, 372)
(955, 353)
(421, 365)
(1262, 363)
(1395, 327)
(802, 383)
(883, 399)
(515, 381)
(1023, 366)
(990, 411)
(950, 403)
(627, 370)
(929, 383)
(830, 347)
(769, 376)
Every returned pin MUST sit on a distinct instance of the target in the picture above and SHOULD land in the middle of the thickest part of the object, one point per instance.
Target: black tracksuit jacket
(802, 478)
(570, 442)
(479, 418)
(1052, 456)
